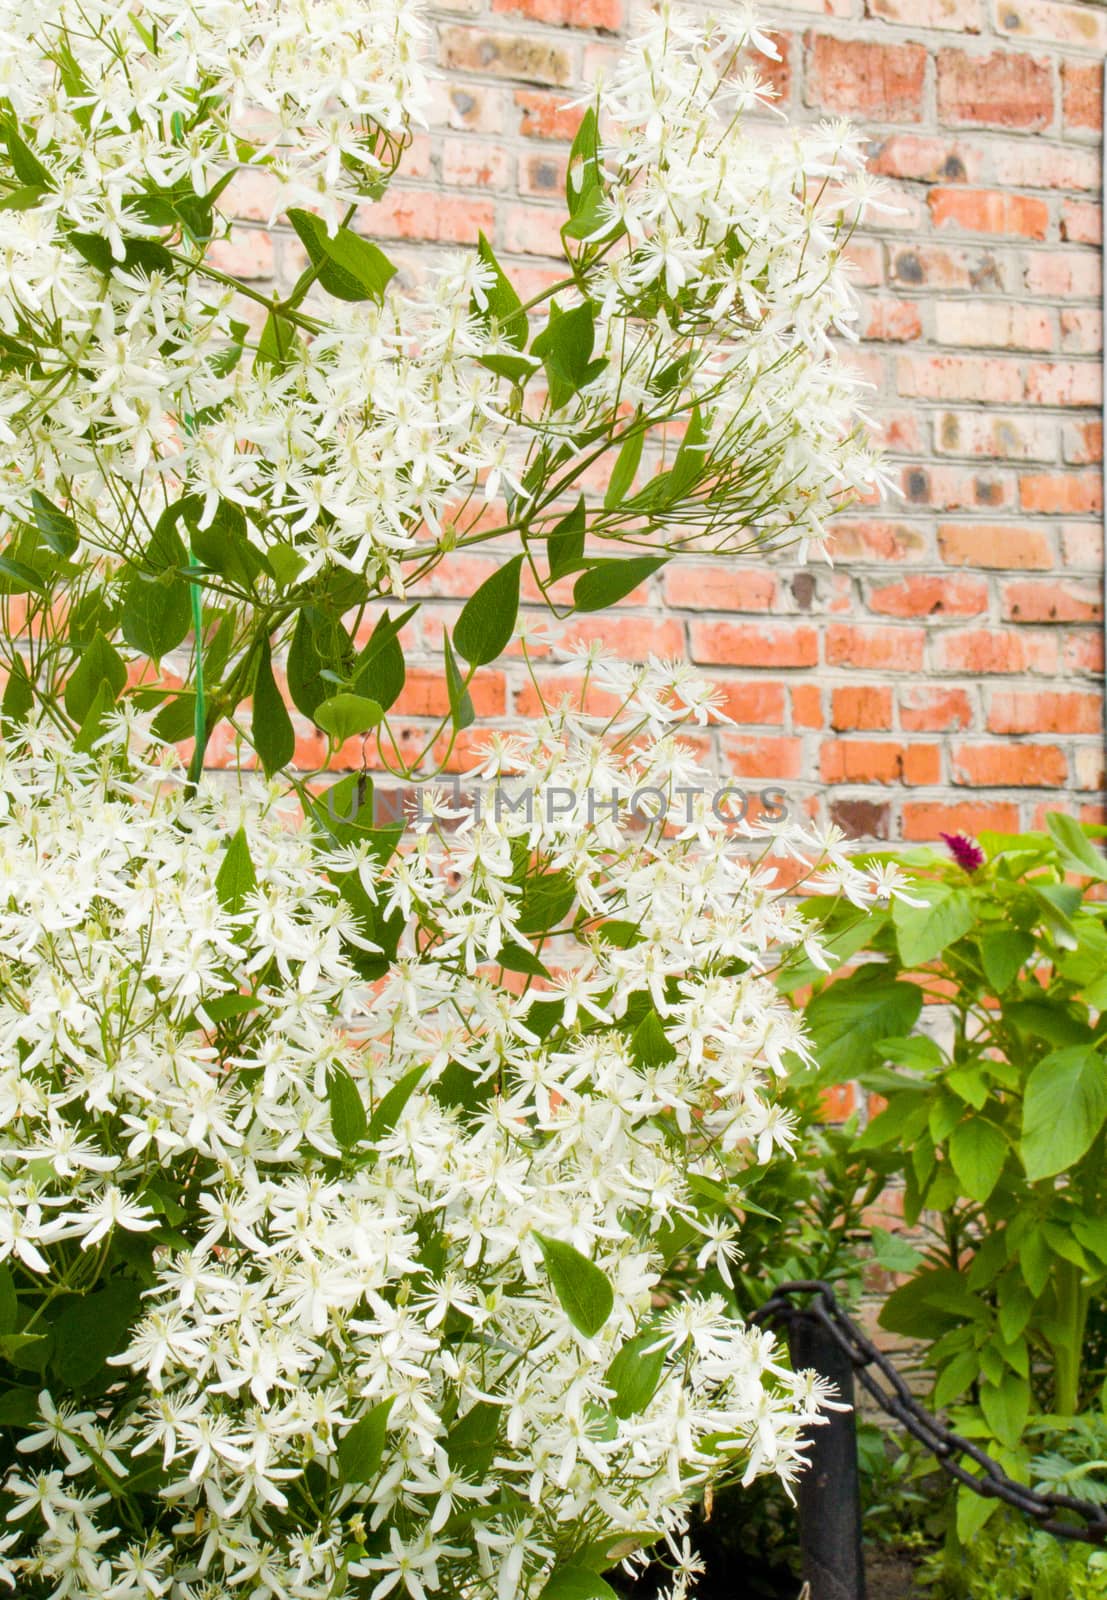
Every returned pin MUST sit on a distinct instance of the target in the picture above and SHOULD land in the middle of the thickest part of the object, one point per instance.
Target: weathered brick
(924, 708)
(854, 540)
(1081, 330)
(1044, 711)
(931, 595)
(859, 77)
(605, 15)
(981, 651)
(475, 164)
(1053, 492)
(944, 267)
(861, 707)
(1071, 600)
(884, 649)
(959, 488)
(860, 819)
(989, 211)
(963, 16)
(1064, 274)
(1010, 437)
(953, 377)
(1082, 442)
(505, 55)
(1052, 22)
(1006, 89)
(1025, 165)
(1082, 95)
(1081, 222)
(997, 546)
(897, 321)
(1064, 383)
(720, 588)
(1005, 766)
(425, 214)
(546, 116)
(926, 158)
(999, 325)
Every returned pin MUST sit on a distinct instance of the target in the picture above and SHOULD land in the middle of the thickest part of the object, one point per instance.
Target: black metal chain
(896, 1399)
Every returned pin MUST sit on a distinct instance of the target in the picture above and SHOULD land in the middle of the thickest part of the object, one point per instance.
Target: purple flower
(965, 851)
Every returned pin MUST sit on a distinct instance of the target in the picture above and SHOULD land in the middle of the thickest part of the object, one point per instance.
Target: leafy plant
(979, 1025)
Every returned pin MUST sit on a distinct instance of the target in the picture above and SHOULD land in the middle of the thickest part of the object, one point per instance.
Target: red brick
(424, 695)
(1002, 766)
(896, 321)
(729, 588)
(247, 254)
(930, 596)
(996, 323)
(981, 544)
(763, 756)
(1081, 222)
(606, 15)
(863, 707)
(1072, 492)
(925, 159)
(633, 638)
(748, 645)
(752, 700)
(1078, 600)
(875, 648)
(1002, 90)
(426, 214)
(775, 75)
(987, 378)
(807, 706)
(926, 709)
(925, 820)
(859, 77)
(981, 650)
(1044, 711)
(546, 116)
(989, 211)
(879, 761)
(1082, 95)
(1064, 383)
(505, 55)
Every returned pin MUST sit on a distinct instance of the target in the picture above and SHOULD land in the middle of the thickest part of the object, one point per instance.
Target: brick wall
(946, 671)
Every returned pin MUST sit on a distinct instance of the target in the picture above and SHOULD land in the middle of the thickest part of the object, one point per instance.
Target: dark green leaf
(585, 1294)
(361, 1450)
(622, 473)
(58, 531)
(502, 304)
(9, 1301)
(461, 704)
(471, 1442)
(487, 618)
(99, 662)
(565, 348)
(224, 545)
(92, 724)
(156, 612)
(387, 1114)
(565, 543)
(648, 1044)
(273, 734)
(349, 1123)
(635, 1373)
(606, 582)
(91, 1328)
(21, 579)
(350, 267)
(577, 1583)
(19, 696)
(279, 343)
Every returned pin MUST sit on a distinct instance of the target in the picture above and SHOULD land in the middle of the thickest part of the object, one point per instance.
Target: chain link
(894, 1397)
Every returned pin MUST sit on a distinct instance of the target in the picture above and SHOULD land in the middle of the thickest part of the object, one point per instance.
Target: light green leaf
(848, 1018)
(344, 715)
(1003, 954)
(236, 879)
(585, 1294)
(893, 1252)
(978, 1151)
(1006, 1406)
(1077, 851)
(1064, 1107)
(973, 1511)
(577, 1583)
(923, 932)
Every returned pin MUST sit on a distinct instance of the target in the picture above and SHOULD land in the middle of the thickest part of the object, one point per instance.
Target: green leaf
(923, 932)
(380, 672)
(487, 618)
(565, 543)
(349, 1124)
(19, 696)
(12, 1345)
(583, 171)
(1006, 1406)
(1003, 954)
(93, 1327)
(1064, 1107)
(320, 645)
(224, 545)
(635, 1373)
(622, 473)
(99, 663)
(1077, 852)
(902, 1120)
(25, 164)
(585, 1295)
(236, 880)
(272, 732)
(279, 344)
(608, 581)
(688, 466)
(649, 1044)
(92, 725)
(9, 1301)
(546, 900)
(955, 1377)
(350, 267)
(344, 715)
(391, 1105)
(461, 704)
(973, 1511)
(18, 1407)
(58, 531)
(894, 1252)
(21, 579)
(502, 304)
(361, 1450)
(978, 1151)
(565, 349)
(928, 1305)
(471, 1442)
(847, 1018)
(577, 1583)
(156, 612)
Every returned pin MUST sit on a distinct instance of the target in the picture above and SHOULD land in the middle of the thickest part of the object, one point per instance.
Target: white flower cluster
(374, 1247)
(374, 430)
